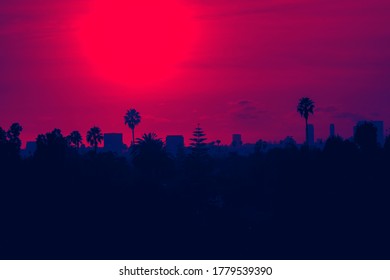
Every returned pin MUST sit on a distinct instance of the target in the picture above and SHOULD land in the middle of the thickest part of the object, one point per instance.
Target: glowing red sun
(137, 42)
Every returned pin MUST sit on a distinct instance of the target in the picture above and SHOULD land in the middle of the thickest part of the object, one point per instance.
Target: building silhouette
(236, 140)
(113, 142)
(174, 144)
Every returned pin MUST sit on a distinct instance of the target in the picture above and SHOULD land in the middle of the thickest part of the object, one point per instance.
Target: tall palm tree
(304, 108)
(75, 139)
(132, 119)
(94, 137)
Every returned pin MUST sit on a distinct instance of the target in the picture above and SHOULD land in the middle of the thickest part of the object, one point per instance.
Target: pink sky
(251, 63)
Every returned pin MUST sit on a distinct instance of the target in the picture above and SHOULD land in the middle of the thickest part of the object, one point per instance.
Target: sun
(137, 43)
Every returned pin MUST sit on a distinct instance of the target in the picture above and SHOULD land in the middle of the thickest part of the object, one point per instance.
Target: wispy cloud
(350, 116)
(245, 110)
(155, 119)
(327, 109)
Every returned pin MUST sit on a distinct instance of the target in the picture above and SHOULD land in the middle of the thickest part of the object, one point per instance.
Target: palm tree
(75, 139)
(304, 108)
(132, 119)
(148, 145)
(94, 137)
(150, 156)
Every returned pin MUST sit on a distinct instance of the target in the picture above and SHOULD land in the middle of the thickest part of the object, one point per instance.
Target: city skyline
(245, 66)
(113, 141)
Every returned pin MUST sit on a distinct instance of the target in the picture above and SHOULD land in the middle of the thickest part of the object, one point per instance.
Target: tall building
(380, 138)
(174, 144)
(310, 132)
(332, 130)
(113, 142)
(236, 140)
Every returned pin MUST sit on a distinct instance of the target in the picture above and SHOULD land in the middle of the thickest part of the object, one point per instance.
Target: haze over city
(233, 67)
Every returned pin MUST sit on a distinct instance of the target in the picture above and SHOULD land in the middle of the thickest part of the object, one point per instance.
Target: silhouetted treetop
(51, 146)
(132, 119)
(13, 134)
(198, 144)
(10, 142)
(289, 142)
(3, 136)
(305, 107)
(94, 137)
(366, 137)
(260, 146)
(148, 146)
(334, 144)
(150, 156)
(75, 139)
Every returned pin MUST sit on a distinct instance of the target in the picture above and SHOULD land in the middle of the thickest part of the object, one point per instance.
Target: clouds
(326, 109)
(246, 111)
(350, 116)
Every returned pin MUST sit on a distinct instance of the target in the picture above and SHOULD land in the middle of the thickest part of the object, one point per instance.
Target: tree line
(283, 203)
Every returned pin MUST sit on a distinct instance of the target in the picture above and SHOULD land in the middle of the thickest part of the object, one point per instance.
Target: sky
(231, 66)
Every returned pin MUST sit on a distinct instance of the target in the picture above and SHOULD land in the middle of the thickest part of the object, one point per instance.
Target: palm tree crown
(305, 108)
(149, 155)
(132, 119)
(149, 144)
(75, 139)
(94, 137)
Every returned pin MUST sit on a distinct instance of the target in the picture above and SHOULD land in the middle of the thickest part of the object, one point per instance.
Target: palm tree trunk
(133, 141)
(307, 133)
